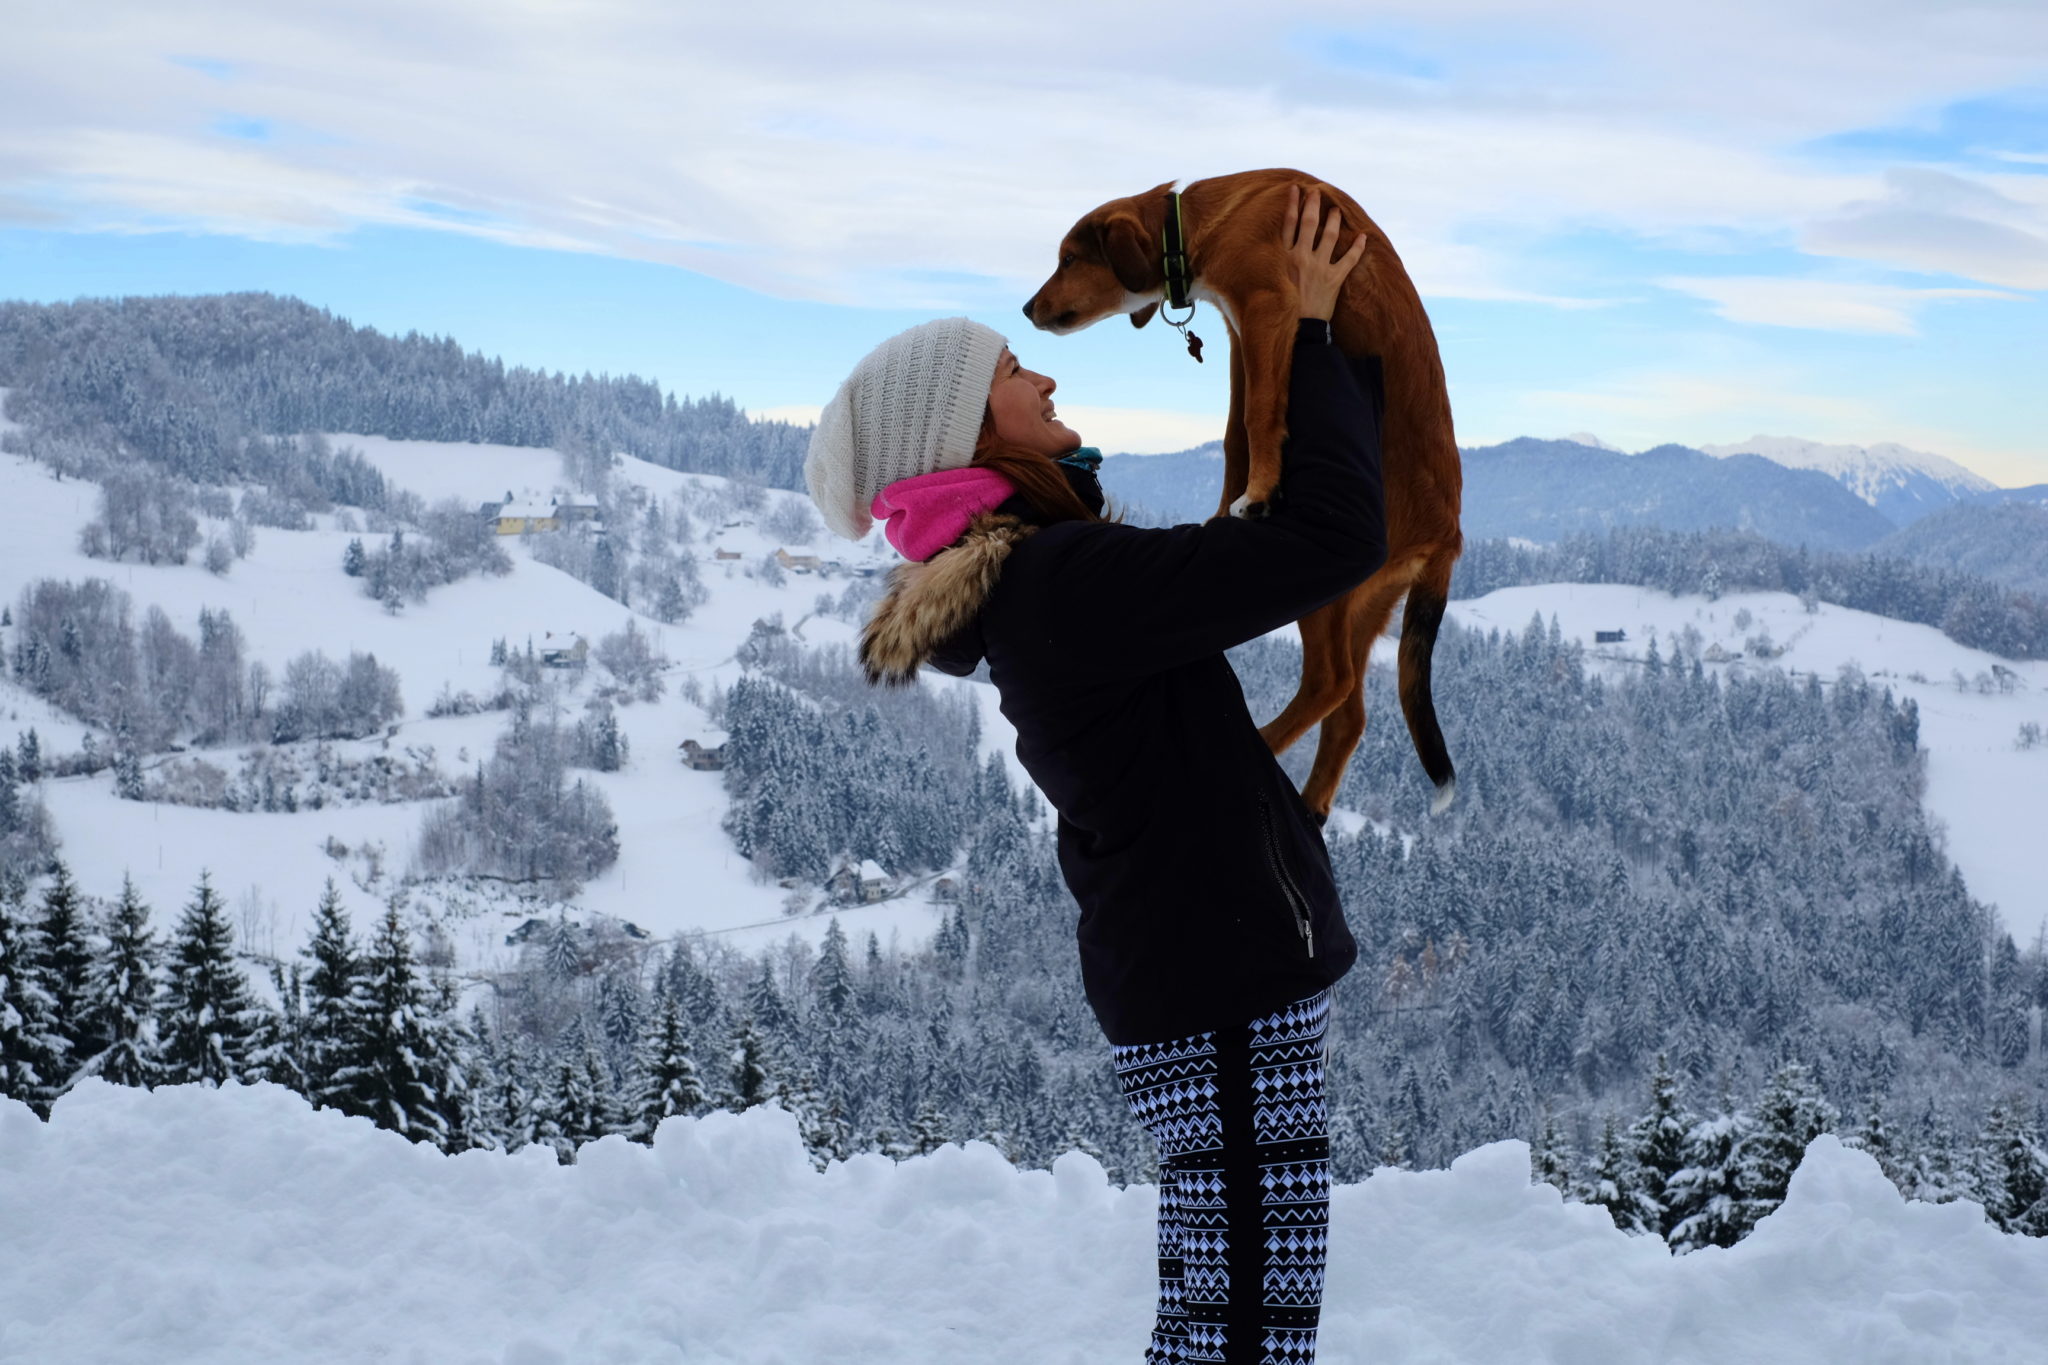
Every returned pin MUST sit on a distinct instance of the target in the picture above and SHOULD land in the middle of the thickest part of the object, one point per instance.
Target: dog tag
(1195, 347)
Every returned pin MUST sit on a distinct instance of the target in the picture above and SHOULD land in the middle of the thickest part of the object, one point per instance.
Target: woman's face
(1021, 402)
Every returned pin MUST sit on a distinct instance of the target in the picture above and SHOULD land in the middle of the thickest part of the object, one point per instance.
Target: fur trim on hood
(930, 603)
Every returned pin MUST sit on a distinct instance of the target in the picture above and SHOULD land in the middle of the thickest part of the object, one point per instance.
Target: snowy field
(240, 1225)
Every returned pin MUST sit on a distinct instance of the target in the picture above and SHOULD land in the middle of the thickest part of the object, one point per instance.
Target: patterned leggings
(1244, 1186)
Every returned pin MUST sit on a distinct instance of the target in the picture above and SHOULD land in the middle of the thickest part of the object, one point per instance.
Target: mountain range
(1800, 492)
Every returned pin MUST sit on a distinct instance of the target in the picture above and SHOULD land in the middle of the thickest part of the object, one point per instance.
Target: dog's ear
(1144, 315)
(1127, 249)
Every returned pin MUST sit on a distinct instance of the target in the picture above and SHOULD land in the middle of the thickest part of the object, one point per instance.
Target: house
(577, 507)
(516, 516)
(874, 883)
(1609, 637)
(696, 755)
(944, 889)
(563, 649)
(725, 554)
(1714, 654)
(843, 886)
(799, 563)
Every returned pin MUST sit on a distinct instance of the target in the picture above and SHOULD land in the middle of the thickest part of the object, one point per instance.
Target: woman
(1210, 930)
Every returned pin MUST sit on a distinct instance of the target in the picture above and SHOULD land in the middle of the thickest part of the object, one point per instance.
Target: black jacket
(1204, 886)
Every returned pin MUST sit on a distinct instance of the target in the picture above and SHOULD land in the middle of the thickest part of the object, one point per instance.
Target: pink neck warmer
(927, 512)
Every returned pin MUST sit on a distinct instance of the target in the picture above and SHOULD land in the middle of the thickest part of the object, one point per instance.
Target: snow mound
(242, 1225)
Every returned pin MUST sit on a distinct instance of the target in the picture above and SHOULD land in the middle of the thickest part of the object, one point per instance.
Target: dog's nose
(1027, 314)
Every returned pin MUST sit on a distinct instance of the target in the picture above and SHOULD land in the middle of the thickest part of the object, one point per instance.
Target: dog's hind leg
(1425, 613)
(1325, 675)
(1368, 607)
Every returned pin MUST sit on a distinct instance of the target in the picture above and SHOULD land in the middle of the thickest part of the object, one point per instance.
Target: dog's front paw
(1249, 510)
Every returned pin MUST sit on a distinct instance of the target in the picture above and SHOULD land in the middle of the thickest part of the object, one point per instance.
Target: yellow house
(516, 518)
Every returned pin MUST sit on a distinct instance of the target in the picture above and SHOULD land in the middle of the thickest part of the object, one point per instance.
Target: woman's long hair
(1037, 477)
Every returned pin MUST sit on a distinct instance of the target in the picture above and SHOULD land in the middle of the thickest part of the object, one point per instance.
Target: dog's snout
(1027, 315)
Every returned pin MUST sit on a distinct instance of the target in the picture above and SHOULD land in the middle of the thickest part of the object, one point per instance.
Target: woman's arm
(1137, 600)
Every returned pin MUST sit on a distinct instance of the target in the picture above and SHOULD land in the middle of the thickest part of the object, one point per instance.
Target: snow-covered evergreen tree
(1549, 1162)
(1709, 1198)
(1616, 1183)
(666, 1081)
(405, 1051)
(67, 956)
(1657, 1144)
(2012, 1168)
(277, 1042)
(121, 996)
(207, 1014)
(748, 1080)
(335, 1003)
(33, 1052)
(1791, 1114)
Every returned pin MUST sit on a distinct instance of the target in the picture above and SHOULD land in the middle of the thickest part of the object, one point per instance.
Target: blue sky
(1815, 219)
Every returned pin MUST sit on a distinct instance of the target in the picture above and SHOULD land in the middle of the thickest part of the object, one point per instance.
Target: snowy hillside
(677, 869)
(1988, 793)
(1903, 484)
(240, 1225)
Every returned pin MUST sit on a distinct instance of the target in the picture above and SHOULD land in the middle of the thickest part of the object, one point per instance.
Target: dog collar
(1176, 254)
(1178, 279)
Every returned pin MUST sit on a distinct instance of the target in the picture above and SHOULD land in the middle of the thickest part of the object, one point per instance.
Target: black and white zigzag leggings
(1244, 1186)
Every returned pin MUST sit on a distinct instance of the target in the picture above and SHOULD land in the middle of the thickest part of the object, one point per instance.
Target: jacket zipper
(1296, 902)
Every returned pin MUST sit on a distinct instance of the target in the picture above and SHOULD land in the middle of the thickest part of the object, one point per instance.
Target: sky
(1653, 223)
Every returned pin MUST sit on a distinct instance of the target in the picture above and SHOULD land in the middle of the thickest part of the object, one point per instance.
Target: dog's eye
(1066, 259)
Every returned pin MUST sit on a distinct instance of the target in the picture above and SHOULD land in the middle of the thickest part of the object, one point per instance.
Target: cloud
(1824, 305)
(1931, 220)
(834, 153)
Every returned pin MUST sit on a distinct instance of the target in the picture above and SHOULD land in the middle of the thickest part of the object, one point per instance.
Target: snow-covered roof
(870, 870)
(527, 507)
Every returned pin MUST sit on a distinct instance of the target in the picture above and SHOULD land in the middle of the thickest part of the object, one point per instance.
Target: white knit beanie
(913, 405)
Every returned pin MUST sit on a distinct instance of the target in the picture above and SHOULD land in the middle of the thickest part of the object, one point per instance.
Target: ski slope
(242, 1226)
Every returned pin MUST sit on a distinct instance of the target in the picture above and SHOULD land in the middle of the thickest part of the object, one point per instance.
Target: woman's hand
(1311, 247)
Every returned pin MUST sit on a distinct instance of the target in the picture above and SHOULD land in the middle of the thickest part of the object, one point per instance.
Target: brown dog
(1115, 261)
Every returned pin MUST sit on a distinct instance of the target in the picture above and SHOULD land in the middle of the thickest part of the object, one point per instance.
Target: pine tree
(207, 1011)
(1708, 1198)
(33, 1054)
(2013, 1168)
(1791, 1114)
(821, 1122)
(277, 1043)
(337, 1074)
(1547, 1158)
(1657, 1145)
(1616, 1183)
(928, 1130)
(121, 997)
(666, 1078)
(352, 558)
(832, 977)
(404, 1047)
(748, 1081)
(67, 959)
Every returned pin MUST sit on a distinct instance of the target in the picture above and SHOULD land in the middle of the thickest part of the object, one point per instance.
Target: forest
(1681, 926)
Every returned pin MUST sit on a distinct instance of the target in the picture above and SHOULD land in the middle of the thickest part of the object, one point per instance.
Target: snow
(1989, 797)
(1867, 471)
(1587, 438)
(241, 1225)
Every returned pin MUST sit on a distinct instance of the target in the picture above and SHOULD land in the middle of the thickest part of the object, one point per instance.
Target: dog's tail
(1419, 622)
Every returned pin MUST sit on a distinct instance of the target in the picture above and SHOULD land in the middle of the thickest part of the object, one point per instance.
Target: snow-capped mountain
(1902, 483)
